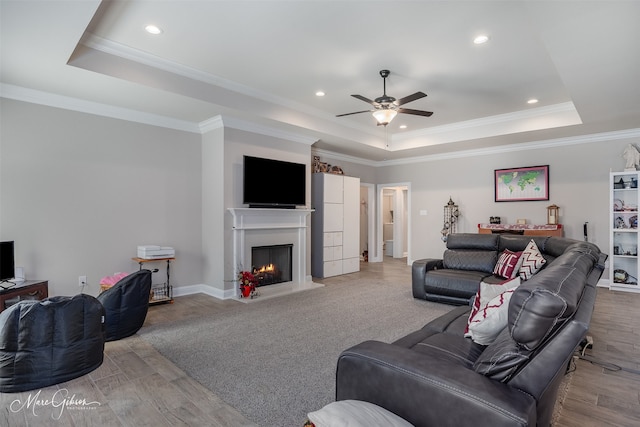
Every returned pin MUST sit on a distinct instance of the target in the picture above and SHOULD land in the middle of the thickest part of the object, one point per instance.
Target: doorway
(394, 221)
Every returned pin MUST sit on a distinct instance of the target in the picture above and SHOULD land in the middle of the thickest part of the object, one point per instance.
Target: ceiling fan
(386, 107)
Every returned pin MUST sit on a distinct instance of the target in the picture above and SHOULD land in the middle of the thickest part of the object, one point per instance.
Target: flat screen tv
(7, 267)
(272, 183)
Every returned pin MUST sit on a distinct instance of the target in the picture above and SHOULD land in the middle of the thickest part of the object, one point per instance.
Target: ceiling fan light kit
(384, 117)
(386, 107)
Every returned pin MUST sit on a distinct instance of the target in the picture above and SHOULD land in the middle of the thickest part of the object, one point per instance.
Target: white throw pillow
(486, 293)
(355, 413)
(532, 261)
(487, 324)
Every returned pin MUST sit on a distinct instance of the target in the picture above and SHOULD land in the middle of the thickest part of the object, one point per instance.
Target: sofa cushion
(485, 242)
(532, 261)
(508, 265)
(541, 305)
(470, 259)
(455, 283)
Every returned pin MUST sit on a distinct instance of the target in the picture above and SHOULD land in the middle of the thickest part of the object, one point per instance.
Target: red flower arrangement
(248, 284)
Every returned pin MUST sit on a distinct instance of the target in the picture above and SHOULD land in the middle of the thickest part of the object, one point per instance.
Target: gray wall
(579, 185)
(80, 192)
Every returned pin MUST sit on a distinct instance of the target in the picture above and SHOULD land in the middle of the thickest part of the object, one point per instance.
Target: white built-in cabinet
(335, 225)
(623, 250)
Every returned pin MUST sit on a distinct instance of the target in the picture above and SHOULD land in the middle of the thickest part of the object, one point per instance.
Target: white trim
(203, 289)
(33, 96)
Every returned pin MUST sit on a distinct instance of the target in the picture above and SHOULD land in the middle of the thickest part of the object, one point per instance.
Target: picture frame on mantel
(521, 184)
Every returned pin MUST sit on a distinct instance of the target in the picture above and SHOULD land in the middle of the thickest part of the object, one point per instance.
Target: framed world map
(522, 184)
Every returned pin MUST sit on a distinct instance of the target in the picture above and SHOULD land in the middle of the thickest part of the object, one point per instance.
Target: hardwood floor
(137, 386)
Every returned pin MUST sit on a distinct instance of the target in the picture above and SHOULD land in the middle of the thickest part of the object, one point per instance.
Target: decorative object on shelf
(620, 223)
(451, 214)
(248, 284)
(521, 221)
(631, 157)
(319, 166)
(522, 184)
(633, 221)
(621, 276)
(494, 220)
(552, 214)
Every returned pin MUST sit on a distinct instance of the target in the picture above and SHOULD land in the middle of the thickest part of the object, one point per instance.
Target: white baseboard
(203, 289)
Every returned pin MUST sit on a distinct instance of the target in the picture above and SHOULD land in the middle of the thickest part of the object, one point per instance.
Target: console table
(526, 229)
(27, 290)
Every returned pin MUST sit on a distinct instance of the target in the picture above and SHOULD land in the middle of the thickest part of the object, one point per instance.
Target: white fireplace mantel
(251, 225)
(257, 218)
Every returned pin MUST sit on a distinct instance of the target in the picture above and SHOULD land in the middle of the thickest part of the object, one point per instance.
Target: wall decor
(451, 214)
(522, 184)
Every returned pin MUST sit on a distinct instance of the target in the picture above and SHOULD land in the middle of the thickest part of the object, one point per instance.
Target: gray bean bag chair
(126, 304)
(50, 341)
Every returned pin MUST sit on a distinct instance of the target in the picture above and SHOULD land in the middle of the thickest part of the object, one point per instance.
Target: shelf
(625, 241)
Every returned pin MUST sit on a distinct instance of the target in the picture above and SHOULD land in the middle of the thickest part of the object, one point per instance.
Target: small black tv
(7, 262)
(270, 183)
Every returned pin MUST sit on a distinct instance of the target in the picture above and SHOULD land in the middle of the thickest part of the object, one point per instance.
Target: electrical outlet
(82, 281)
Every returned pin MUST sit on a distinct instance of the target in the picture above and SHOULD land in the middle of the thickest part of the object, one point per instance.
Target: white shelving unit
(335, 225)
(623, 246)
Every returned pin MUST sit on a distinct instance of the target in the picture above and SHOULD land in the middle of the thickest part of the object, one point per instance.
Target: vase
(246, 291)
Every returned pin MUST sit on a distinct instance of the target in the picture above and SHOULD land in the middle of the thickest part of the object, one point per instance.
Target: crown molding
(220, 121)
(534, 145)
(551, 116)
(343, 157)
(33, 96)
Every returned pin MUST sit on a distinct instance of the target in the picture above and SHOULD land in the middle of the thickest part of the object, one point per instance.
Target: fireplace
(272, 264)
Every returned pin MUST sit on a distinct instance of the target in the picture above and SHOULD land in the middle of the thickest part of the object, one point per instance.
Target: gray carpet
(275, 360)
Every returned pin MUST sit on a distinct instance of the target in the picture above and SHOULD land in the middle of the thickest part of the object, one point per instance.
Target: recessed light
(319, 93)
(532, 101)
(403, 126)
(481, 39)
(152, 29)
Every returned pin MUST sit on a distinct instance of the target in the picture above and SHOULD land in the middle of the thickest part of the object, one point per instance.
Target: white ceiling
(261, 62)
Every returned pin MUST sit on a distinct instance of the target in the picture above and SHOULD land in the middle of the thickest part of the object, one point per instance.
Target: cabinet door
(333, 188)
(332, 268)
(351, 233)
(333, 217)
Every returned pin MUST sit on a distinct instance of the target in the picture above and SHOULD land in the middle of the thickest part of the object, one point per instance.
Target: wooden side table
(27, 290)
(160, 294)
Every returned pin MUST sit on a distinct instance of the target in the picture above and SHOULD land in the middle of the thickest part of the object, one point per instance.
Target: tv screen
(273, 183)
(7, 266)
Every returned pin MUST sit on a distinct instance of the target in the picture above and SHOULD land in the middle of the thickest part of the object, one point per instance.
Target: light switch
(423, 212)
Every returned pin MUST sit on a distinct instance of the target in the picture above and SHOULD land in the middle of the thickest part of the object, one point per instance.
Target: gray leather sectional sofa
(437, 377)
(470, 259)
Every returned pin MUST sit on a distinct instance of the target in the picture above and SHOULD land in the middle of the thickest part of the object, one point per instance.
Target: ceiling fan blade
(415, 112)
(362, 98)
(357, 112)
(410, 98)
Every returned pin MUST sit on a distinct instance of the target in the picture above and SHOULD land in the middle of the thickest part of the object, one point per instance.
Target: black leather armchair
(126, 304)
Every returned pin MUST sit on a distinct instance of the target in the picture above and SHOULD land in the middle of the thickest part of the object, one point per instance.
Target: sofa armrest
(428, 391)
(419, 269)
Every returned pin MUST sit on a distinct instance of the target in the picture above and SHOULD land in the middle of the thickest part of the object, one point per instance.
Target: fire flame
(270, 268)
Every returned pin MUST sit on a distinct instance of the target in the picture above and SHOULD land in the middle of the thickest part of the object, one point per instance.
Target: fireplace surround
(257, 227)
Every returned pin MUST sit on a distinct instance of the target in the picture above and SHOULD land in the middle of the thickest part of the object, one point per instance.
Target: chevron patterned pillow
(532, 261)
